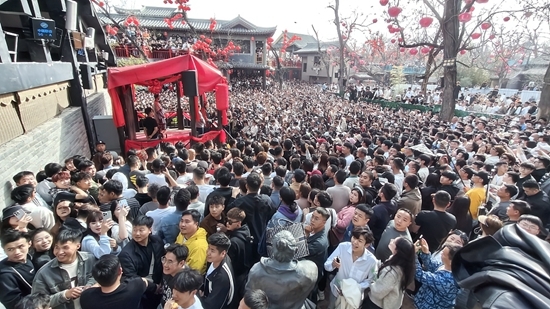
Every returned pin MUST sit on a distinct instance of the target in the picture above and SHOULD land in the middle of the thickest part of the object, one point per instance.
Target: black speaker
(86, 74)
(190, 85)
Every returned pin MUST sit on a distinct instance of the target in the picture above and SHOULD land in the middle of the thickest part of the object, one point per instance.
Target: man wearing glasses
(173, 262)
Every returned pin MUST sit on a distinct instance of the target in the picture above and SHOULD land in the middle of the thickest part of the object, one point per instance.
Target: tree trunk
(342, 47)
(428, 73)
(450, 50)
(430, 69)
(544, 102)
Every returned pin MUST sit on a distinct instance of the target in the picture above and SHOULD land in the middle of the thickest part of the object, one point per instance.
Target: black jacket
(510, 269)
(259, 209)
(136, 261)
(13, 287)
(540, 206)
(383, 213)
(370, 195)
(219, 287)
(240, 250)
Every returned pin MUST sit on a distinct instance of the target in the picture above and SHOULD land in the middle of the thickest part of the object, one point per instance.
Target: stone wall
(53, 141)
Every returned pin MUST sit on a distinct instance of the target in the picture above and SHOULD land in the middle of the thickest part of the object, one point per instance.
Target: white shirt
(158, 179)
(157, 214)
(399, 179)
(363, 270)
(185, 179)
(423, 173)
(72, 270)
(349, 159)
(204, 190)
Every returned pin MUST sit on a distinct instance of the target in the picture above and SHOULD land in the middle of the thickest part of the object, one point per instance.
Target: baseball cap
(483, 175)
(10, 211)
(452, 176)
(299, 175)
(100, 142)
(315, 172)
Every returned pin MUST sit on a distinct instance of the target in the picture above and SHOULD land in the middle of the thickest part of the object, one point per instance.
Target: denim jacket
(54, 281)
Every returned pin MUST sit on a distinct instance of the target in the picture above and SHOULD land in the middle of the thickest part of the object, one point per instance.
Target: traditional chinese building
(167, 39)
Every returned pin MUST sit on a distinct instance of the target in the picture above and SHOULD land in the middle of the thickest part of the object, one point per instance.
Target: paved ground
(407, 304)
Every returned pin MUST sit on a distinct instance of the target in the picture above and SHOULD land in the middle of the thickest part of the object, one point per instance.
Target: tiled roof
(305, 39)
(314, 48)
(153, 18)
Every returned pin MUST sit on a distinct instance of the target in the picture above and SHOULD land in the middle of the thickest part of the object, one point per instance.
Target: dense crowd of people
(315, 200)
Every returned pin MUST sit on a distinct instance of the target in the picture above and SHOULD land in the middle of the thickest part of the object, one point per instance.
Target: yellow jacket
(197, 245)
(477, 197)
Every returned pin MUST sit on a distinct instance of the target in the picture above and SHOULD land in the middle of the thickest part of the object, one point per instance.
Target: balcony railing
(288, 63)
(158, 54)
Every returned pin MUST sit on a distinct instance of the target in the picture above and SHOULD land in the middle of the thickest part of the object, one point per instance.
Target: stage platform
(171, 136)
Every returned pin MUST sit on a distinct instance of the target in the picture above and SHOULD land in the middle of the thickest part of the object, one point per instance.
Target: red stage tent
(207, 78)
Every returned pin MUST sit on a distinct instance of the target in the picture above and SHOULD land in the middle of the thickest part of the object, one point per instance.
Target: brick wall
(53, 141)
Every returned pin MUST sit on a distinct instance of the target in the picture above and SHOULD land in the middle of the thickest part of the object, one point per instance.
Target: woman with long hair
(346, 214)
(394, 275)
(455, 237)
(304, 190)
(95, 240)
(323, 162)
(460, 208)
(41, 240)
(316, 182)
(63, 210)
(287, 211)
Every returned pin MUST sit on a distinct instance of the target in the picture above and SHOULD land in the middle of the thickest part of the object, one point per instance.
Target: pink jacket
(344, 218)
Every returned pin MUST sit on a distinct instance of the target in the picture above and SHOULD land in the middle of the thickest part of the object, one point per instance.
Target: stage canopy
(207, 78)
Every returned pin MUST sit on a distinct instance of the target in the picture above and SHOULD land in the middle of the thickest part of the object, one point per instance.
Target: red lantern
(492, 36)
(413, 51)
(485, 26)
(222, 97)
(394, 11)
(101, 4)
(384, 2)
(374, 21)
(464, 17)
(476, 36)
(507, 18)
(402, 49)
(462, 52)
(473, 8)
(426, 21)
(468, 1)
(393, 40)
(425, 50)
(482, 1)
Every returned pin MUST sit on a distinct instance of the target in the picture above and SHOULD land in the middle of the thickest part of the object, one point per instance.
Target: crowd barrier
(427, 108)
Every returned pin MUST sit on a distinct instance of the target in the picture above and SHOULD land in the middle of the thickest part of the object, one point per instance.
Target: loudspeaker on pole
(190, 85)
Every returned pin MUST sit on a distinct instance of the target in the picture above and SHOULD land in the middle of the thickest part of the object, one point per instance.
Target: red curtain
(142, 144)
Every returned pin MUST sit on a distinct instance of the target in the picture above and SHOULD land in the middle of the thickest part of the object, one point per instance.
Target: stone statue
(286, 282)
